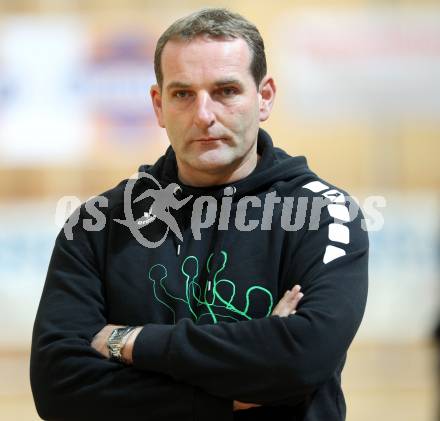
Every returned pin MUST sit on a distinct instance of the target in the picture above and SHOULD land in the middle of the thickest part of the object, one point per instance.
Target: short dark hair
(217, 23)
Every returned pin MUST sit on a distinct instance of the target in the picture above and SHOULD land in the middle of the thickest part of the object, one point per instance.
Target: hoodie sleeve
(275, 359)
(72, 381)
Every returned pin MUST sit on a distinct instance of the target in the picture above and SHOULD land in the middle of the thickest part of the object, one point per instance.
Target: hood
(275, 165)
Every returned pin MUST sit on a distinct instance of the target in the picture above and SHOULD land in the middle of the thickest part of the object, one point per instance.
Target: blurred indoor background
(358, 95)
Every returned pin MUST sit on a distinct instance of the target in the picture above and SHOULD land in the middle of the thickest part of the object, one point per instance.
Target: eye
(181, 94)
(228, 91)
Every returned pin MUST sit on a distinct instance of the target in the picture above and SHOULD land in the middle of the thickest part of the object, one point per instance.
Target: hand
(238, 406)
(99, 342)
(289, 302)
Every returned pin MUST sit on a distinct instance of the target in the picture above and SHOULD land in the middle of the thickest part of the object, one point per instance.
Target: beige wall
(363, 156)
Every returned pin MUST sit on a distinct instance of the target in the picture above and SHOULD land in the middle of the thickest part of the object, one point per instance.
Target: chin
(212, 161)
(211, 165)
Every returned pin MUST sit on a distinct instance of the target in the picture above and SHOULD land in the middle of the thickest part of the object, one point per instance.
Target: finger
(294, 300)
(291, 306)
(288, 302)
(284, 306)
(296, 289)
(281, 307)
(291, 297)
(238, 405)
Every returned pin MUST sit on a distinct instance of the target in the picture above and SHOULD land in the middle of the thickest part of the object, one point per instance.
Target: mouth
(209, 139)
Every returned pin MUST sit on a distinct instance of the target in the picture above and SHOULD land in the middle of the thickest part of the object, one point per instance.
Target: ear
(156, 99)
(266, 92)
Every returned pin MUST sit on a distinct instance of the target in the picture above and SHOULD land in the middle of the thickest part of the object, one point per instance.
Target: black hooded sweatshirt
(205, 297)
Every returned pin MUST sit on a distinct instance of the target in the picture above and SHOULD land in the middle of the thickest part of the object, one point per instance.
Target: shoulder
(332, 219)
(308, 188)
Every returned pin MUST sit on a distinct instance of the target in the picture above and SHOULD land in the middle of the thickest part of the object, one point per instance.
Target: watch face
(114, 342)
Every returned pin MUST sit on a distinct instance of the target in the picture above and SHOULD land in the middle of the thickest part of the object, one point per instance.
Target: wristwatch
(116, 342)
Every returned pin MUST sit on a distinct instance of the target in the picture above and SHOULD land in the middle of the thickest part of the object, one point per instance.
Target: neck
(202, 178)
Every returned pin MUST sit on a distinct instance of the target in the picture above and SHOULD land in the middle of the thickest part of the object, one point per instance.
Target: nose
(204, 116)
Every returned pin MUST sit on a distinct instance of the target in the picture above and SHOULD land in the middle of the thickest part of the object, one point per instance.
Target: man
(188, 329)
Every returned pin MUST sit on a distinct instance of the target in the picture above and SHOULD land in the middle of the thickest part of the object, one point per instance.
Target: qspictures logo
(293, 213)
(163, 201)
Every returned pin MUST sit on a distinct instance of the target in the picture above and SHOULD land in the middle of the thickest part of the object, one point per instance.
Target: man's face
(209, 104)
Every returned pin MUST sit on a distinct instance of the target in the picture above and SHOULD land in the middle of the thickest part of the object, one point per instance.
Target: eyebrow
(180, 85)
(221, 82)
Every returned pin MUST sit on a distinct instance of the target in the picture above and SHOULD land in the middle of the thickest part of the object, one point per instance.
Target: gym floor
(382, 382)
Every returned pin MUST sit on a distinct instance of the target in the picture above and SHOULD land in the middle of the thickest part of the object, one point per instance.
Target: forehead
(205, 58)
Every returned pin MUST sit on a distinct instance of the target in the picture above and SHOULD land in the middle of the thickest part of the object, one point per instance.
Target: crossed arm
(285, 307)
(199, 368)
(70, 380)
